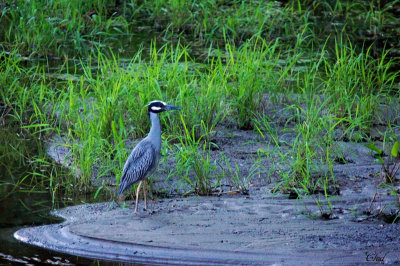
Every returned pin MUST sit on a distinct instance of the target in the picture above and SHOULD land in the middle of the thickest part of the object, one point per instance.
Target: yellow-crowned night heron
(144, 158)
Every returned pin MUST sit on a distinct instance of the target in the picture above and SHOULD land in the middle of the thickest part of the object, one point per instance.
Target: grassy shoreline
(96, 102)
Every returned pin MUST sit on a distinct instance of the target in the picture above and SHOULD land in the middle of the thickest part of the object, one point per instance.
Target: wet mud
(259, 228)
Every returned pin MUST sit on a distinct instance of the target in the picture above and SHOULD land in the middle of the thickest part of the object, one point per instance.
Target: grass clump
(53, 27)
(193, 162)
(250, 73)
(356, 82)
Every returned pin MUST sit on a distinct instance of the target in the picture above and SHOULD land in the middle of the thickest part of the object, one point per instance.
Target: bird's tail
(122, 187)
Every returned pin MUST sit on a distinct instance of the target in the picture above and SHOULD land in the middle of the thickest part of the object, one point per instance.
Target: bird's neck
(155, 130)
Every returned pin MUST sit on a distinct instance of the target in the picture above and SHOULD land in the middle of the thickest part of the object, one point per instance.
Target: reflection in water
(25, 200)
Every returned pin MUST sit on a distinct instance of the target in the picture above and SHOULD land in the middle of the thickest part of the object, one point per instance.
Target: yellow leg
(145, 194)
(137, 196)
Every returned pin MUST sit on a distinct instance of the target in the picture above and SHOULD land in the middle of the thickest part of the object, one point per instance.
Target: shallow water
(26, 205)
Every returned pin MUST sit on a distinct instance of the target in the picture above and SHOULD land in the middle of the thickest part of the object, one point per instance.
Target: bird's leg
(144, 194)
(137, 196)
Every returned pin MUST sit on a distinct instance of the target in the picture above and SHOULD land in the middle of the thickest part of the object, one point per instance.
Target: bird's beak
(172, 107)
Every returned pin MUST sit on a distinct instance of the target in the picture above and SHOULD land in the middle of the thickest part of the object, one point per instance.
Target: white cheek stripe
(155, 108)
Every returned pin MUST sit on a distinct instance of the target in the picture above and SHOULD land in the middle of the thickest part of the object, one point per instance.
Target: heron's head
(160, 106)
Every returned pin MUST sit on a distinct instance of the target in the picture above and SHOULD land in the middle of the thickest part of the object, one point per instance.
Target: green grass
(193, 162)
(54, 27)
(337, 99)
(104, 104)
(73, 28)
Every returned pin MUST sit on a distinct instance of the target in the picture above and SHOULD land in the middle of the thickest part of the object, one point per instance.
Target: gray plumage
(144, 158)
(142, 161)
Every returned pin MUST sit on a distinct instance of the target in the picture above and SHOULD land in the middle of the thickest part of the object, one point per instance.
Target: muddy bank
(259, 228)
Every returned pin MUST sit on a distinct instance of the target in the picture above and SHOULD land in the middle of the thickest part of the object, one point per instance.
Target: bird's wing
(138, 164)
